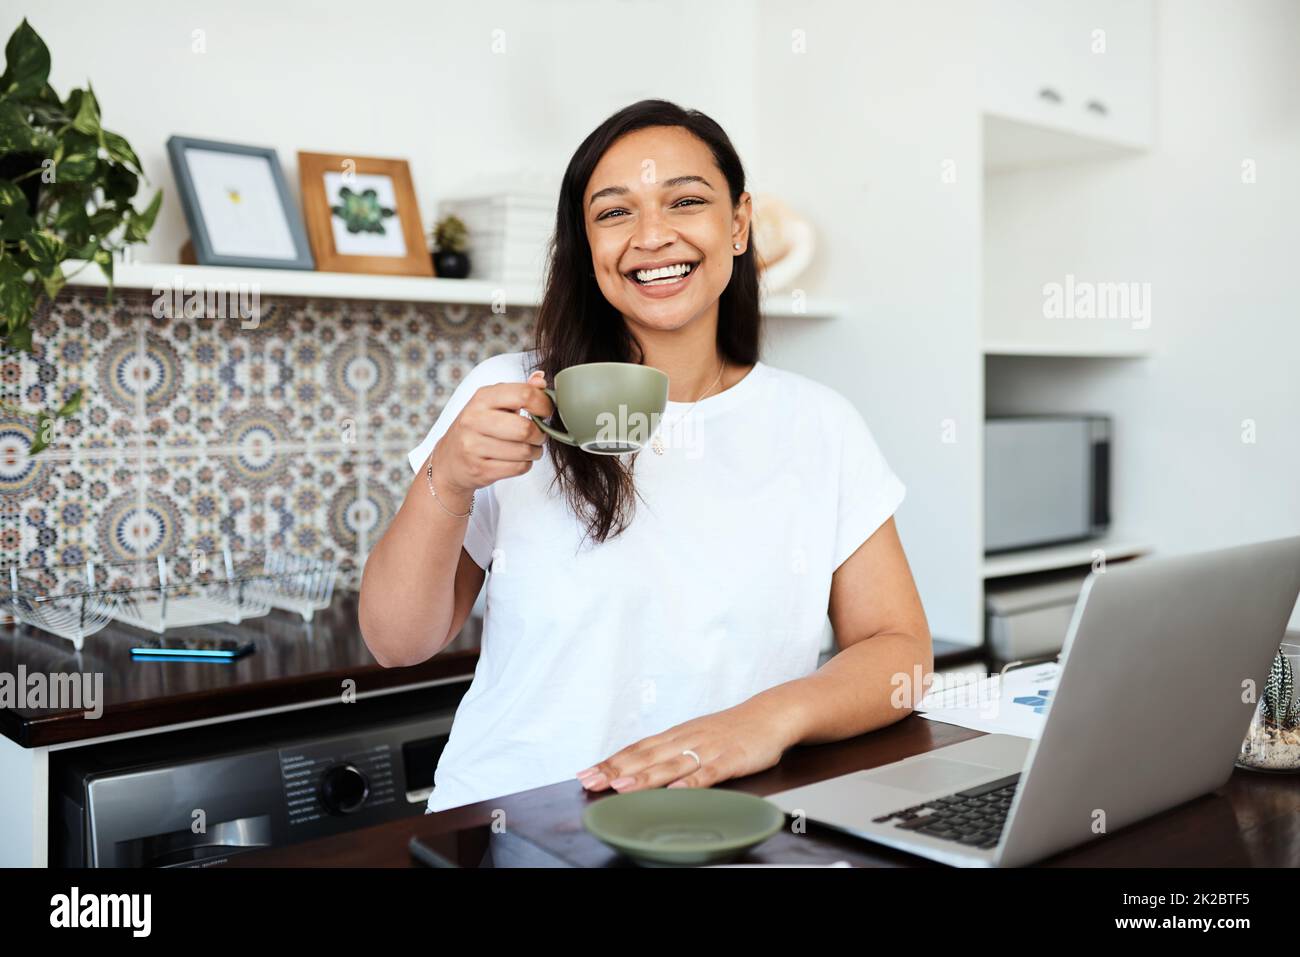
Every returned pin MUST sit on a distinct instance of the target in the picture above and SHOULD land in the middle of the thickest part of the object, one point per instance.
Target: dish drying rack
(76, 601)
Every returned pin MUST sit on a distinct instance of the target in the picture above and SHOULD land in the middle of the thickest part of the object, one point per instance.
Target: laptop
(1149, 712)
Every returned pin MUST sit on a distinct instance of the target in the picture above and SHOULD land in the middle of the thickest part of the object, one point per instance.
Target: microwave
(1046, 480)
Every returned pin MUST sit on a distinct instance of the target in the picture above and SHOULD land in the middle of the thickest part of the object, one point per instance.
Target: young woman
(653, 619)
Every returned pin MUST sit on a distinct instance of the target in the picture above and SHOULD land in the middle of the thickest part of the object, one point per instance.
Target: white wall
(1220, 255)
(856, 132)
(401, 78)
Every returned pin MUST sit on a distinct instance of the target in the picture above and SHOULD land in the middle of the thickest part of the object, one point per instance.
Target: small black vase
(449, 265)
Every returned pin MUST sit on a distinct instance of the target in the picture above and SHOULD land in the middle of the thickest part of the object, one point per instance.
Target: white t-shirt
(717, 590)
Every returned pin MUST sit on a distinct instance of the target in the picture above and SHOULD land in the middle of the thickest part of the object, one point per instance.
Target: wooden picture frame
(362, 215)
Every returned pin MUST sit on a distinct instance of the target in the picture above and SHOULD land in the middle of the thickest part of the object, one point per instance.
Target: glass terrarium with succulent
(451, 248)
(1273, 741)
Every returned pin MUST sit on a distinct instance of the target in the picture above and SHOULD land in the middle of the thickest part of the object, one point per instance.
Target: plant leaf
(16, 303)
(104, 257)
(1278, 689)
(27, 63)
(119, 150)
(16, 134)
(53, 283)
(119, 184)
(72, 406)
(11, 195)
(44, 427)
(105, 219)
(46, 249)
(138, 224)
(75, 158)
(20, 340)
(71, 221)
(86, 119)
(15, 221)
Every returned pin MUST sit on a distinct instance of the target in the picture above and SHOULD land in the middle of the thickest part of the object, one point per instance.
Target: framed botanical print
(237, 205)
(362, 215)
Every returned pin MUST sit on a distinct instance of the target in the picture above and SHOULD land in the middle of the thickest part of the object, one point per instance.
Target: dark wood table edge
(1132, 847)
(71, 726)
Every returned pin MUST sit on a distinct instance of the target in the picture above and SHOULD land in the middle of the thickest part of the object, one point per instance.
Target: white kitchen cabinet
(1085, 68)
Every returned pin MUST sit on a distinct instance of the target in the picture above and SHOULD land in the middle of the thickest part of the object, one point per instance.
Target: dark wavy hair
(576, 324)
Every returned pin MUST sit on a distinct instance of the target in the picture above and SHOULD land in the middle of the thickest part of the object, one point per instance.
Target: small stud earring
(736, 246)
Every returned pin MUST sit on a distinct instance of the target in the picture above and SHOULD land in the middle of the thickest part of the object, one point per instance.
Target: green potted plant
(450, 242)
(66, 186)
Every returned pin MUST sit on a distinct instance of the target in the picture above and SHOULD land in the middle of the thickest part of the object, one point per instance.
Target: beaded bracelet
(428, 475)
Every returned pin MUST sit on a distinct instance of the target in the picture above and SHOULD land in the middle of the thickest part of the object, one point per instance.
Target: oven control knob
(343, 789)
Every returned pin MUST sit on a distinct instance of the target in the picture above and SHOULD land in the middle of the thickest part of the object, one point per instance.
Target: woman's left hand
(732, 743)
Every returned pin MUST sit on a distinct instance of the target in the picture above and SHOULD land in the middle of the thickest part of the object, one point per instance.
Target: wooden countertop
(1253, 821)
(293, 663)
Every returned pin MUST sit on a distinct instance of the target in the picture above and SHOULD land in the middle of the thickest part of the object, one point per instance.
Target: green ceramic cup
(609, 408)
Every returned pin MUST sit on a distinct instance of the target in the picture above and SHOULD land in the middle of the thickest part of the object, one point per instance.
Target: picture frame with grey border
(259, 235)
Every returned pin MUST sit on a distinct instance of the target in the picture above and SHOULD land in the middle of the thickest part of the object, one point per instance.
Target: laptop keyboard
(974, 817)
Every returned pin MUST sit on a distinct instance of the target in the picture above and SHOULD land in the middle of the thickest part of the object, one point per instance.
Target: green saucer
(682, 827)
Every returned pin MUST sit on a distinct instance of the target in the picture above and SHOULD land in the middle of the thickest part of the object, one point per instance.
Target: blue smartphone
(193, 649)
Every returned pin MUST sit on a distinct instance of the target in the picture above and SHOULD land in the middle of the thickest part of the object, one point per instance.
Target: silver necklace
(656, 443)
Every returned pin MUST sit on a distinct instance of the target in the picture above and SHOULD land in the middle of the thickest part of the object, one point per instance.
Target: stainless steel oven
(194, 797)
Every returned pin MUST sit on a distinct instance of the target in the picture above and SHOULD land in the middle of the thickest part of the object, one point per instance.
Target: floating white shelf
(1054, 557)
(338, 285)
(1066, 351)
(303, 282)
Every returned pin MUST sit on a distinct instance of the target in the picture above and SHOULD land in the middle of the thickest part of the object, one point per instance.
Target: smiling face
(661, 226)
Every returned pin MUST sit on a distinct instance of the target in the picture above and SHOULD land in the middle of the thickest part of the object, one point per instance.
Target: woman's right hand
(490, 440)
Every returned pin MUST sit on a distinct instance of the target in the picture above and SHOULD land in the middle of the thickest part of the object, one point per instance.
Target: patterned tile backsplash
(195, 433)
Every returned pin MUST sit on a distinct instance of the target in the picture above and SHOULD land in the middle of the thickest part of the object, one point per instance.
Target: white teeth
(664, 272)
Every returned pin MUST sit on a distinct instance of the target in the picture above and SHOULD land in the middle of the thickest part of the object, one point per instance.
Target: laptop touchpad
(931, 774)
